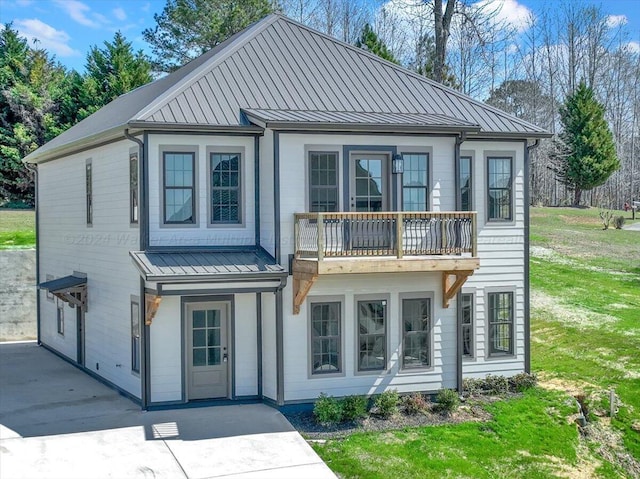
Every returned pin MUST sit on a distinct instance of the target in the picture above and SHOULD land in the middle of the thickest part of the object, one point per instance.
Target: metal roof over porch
(199, 266)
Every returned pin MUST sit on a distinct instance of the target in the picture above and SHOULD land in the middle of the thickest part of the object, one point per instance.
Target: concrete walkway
(633, 227)
(57, 422)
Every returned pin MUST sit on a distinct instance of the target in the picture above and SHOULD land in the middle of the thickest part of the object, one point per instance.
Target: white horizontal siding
(101, 251)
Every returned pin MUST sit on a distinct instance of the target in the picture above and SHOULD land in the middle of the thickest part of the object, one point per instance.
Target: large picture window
(179, 188)
(323, 181)
(415, 182)
(372, 335)
(500, 323)
(466, 311)
(416, 333)
(500, 202)
(325, 338)
(466, 189)
(225, 188)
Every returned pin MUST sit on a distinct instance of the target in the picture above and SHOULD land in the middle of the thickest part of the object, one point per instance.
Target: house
(286, 215)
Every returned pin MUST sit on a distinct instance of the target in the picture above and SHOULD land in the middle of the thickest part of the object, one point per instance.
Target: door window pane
(207, 337)
(369, 183)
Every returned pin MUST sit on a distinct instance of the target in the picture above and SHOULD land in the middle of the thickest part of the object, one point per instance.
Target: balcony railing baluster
(399, 234)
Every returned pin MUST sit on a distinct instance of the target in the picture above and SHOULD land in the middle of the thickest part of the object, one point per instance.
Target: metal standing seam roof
(294, 118)
(64, 283)
(194, 265)
(279, 64)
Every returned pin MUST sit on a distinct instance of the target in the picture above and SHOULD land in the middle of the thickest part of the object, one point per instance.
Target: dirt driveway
(57, 422)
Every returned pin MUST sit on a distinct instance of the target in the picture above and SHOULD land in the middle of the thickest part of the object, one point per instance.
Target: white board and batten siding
(500, 248)
(168, 354)
(101, 251)
(201, 233)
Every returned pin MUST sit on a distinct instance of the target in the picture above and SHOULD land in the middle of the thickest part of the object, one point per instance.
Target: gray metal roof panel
(194, 265)
(61, 284)
(278, 63)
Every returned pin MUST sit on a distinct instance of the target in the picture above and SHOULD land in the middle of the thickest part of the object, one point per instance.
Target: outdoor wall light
(397, 164)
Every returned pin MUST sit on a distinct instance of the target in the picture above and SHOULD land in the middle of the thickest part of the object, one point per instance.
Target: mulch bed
(306, 424)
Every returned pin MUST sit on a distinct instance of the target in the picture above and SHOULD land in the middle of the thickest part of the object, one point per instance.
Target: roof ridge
(246, 35)
(247, 109)
(404, 70)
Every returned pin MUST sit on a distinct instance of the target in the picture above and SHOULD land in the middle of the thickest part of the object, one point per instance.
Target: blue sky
(68, 28)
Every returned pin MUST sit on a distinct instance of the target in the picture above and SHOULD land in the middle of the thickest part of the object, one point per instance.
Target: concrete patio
(57, 422)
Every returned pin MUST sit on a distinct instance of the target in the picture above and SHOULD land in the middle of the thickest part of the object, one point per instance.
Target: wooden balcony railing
(398, 234)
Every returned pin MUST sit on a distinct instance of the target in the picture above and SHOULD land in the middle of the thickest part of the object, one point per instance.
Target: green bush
(386, 403)
(496, 384)
(415, 403)
(353, 407)
(447, 400)
(523, 381)
(473, 387)
(327, 410)
(618, 222)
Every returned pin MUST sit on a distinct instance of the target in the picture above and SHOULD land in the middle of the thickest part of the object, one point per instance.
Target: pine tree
(370, 41)
(587, 151)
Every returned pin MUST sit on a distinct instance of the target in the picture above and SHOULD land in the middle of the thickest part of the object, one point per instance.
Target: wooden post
(443, 234)
(320, 236)
(399, 230)
(296, 237)
(474, 234)
(612, 402)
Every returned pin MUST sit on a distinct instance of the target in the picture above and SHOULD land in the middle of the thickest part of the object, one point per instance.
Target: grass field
(17, 229)
(585, 340)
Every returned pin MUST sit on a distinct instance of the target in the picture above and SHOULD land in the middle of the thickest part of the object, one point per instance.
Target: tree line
(567, 67)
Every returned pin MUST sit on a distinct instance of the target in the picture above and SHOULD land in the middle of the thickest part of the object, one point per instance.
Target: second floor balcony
(384, 242)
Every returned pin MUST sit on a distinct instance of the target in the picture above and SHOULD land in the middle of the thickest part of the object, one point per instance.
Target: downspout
(459, 140)
(34, 169)
(143, 225)
(280, 343)
(527, 286)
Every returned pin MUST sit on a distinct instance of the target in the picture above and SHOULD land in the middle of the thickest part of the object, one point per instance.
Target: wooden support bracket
(76, 297)
(450, 289)
(152, 303)
(302, 283)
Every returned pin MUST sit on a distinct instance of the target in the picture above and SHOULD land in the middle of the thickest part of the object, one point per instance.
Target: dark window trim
(134, 195)
(429, 332)
(501, 156)
(239, 188)
(491, 322)
(426, 187)
(470, 325)
(135, 338)
(365, 299)
(88, 174)
(310, 176)
(320, 301)
(192, 188)
(60, 318)
(464, 156)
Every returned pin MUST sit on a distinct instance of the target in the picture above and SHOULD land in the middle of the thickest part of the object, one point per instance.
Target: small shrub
(496, 384)
(523, 381)
(327, 410)
(386, 403)
(618, 222)
(448, 400)
(415, 403)
(472, 387)
(353, 407)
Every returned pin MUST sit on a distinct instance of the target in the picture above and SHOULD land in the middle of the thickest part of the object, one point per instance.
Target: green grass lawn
(17, 229)
(585, 340)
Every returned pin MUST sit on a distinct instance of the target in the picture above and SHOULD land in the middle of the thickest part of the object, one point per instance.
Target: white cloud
(78, 11)
(45, 36)
(633, 47)
(509, 12)
(614, 21)
(120, 14)
(24, 3)
(146, 7)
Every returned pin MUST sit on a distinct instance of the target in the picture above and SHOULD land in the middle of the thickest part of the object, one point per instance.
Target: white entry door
(207, 350)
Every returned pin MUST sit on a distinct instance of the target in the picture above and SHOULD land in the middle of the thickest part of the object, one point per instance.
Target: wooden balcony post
(296, 236)
(399, 234)
(474, 234)
(320, 236)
